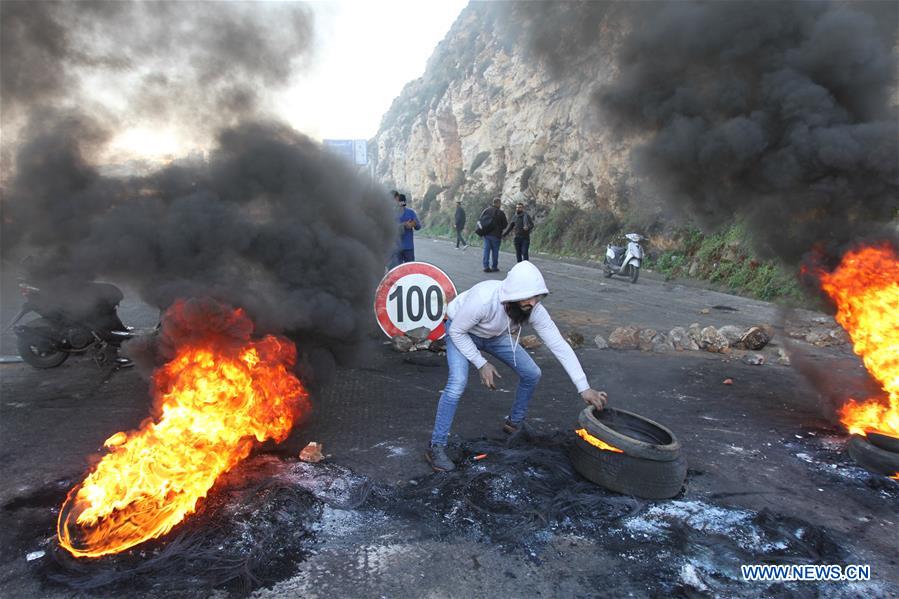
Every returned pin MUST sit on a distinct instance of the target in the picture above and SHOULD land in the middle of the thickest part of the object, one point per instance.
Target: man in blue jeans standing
(484, 319)
(493, 234)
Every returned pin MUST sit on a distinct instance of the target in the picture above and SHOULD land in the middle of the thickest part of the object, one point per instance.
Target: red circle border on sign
(397, 273)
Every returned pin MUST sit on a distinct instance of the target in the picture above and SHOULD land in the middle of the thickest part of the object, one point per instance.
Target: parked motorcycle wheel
(43, 355)
(606, 270)
(634, 273)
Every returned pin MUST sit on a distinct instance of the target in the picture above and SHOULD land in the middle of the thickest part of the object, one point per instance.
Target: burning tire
(629, 454)
(873, 458)
(623, 473)
(631, 433)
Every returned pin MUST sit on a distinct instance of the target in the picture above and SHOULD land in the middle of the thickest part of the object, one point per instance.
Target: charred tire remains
(873, 458)
(650, 465)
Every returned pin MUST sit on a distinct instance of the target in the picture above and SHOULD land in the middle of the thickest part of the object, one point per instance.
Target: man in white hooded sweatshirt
(488, 317)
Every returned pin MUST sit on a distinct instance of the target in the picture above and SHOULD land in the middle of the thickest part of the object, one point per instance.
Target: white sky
(367, 52)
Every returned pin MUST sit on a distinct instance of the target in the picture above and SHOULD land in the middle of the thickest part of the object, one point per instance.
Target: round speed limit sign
(413, 295)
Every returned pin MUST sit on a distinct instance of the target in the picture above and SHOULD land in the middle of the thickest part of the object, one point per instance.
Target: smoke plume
(782, 114)
(268, 222)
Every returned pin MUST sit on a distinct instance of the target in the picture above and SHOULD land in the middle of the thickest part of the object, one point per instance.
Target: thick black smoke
(194, 64)
(269, 222)
(782, 114)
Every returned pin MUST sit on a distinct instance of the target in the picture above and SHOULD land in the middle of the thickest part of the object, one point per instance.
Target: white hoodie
(480, 311)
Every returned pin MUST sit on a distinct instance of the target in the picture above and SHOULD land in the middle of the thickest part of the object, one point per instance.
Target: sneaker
(437, 458)
(510, 428)
(494, 270)
(488, 270)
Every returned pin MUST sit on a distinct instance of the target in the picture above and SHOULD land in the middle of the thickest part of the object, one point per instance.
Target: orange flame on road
(599, 443)
(865, 288)
(217, 396)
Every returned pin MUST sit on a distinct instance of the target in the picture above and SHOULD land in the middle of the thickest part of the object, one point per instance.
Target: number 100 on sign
(415, 301)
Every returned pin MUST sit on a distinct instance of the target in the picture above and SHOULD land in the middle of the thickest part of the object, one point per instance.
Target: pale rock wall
(487, 117)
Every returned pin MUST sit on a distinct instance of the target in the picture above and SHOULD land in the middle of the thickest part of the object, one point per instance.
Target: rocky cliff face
(488, 118)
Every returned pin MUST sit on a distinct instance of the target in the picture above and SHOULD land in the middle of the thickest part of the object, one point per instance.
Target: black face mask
(516, 313)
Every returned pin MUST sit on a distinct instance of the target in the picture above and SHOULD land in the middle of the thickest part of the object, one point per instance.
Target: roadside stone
(839, 335)
(755, 338)
(782, 357)
(312, 452)
(402, 344)
(418, 335)
(818, 338)
(695, 333)
(531, 342)
(645, 338)
(661, 344)
(574, 339)
(681, 340)
(437, 345)
(705, 311)
(694, 269)
(713, 341)
(754, 359)
(732, 333)
(624, 338)
(600, 342)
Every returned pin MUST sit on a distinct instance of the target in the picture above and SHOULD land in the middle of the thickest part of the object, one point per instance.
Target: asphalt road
(740, 440)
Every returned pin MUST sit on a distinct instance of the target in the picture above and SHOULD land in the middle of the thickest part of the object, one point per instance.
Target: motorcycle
(624, 261)
(79, 320)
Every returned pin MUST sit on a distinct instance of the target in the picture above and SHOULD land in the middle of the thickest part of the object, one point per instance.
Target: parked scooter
(624, 261)
(80, 320)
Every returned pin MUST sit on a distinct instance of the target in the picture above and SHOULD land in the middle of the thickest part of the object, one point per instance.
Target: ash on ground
(824, 451)
(280, 527)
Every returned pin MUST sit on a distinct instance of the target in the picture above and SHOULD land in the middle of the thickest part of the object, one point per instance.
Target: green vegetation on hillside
(723, 258)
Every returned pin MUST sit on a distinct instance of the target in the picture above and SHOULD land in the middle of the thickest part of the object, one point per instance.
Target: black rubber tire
(622, 473)
(47, 359)
(873, 458)
(884, 442)
(634, 273)
(631, 433)
(606, 270)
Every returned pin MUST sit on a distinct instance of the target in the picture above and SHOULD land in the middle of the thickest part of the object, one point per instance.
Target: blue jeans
(501, 347)
(491, 248)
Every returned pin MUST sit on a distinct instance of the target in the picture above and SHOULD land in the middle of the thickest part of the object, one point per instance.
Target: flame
(865, 288)
(216, 397)
(583, 434)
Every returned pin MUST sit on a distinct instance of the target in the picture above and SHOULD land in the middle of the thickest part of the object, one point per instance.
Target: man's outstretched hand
(488, 372)
(598, 399)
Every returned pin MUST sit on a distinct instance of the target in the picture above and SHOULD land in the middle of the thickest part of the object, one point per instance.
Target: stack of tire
(876, 452)
(650, 464)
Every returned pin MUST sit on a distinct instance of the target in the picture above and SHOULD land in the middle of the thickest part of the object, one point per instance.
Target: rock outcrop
(488, 117)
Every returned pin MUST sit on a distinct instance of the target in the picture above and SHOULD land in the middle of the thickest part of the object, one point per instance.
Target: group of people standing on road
(493, 226)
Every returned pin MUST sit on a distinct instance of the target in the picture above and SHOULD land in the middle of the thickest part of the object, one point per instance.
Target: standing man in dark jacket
(522, 224)
(460, 225)
(493, 233)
